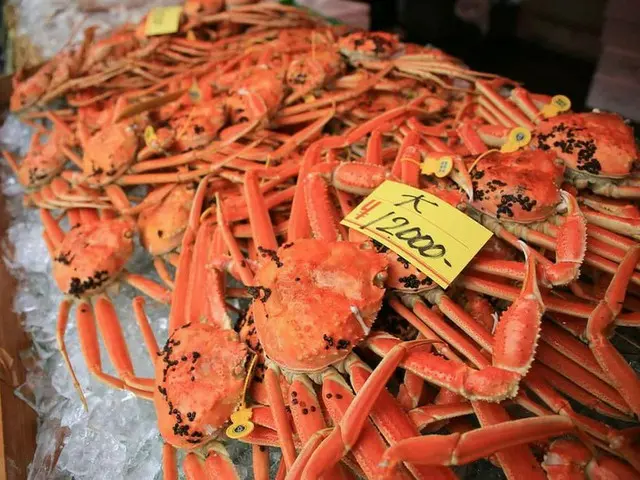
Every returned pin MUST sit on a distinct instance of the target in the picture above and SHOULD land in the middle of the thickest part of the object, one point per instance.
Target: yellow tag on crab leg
(241, 424)
(432, 235)
(163, 21)
(440, 166)
(518, 138)
(150, 136)
(559, 103)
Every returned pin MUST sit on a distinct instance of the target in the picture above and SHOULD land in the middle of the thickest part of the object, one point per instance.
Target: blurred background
(588, 50)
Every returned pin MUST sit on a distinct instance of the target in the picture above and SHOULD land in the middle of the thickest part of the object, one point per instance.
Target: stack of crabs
(234, 147)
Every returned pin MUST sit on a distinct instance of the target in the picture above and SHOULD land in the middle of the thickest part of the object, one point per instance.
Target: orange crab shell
(92, 255)
(40, 166)
(109, 153)
(266, 84)
(592, 143)
(200, 376)
(200, 127)
(314, 70)
(310, 296)
(369, 45)
(522, 186)
(161, 226)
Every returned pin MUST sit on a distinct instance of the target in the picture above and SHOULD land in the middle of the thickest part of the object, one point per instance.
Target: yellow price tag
(163, 20)
(150, 136)
(559, 103)
(241, 424)
(432, 235)
(518, 138)
(440, 166)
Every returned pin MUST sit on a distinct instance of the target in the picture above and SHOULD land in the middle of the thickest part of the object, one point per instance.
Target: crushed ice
(117, 438)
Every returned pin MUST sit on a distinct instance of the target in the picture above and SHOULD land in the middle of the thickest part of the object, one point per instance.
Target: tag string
(480, 157)
(250, 370)
(408, 159)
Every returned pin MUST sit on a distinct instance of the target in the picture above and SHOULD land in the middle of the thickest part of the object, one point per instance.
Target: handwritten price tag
(435, 237)
(163, 21)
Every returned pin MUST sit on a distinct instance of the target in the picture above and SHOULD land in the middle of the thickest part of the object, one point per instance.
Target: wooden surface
(17, 419)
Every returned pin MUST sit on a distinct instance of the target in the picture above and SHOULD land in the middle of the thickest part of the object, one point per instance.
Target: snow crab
(598, 149)
(516, 194)
(88, 262)
(203, 371)
(42, 171)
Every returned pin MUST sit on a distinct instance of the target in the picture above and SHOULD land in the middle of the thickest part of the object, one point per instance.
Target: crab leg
(216, 464)
(260, 458)
(391, 420)
(603, 316)
(426, 415)
(617, 441)
(568, 459)
(487, 88)
(91, 349)
(585, 379)
(577, 393)
(209, 305)
(570, 347)
(145, 328)
(458, 449)
(61, 328)
(613, 223)
(283, 427)
(299, 226)
(310, 446)
(114, 341)
(309, 422)
(147, 286)
(337, 397)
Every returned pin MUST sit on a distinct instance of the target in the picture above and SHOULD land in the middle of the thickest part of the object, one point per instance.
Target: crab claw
(517, 333)
(571, 244)
(462, 177)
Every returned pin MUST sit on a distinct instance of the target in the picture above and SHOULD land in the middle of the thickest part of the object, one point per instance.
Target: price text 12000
(412, 236)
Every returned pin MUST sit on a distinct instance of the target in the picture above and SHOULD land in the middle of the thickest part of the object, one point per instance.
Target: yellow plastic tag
(518, 138)
(559, 103)
(309, 98)
(150, 136)
(163, 20)
(440, 166)
(432, 235)
(194, 92)
(241, 424)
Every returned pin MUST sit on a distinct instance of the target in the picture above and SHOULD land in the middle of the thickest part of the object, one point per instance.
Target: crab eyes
(128, 234)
